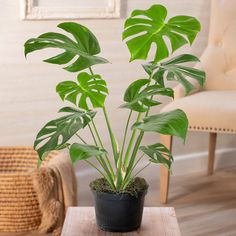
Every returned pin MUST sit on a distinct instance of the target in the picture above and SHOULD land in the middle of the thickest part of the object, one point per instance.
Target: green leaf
(179, 73)
(55, 134)
(83, 151)
(147, 27)
(91, 87)
(149, 67)
(173, 123)
(158, 153)
(139, 95)
(183, 58)
(159, 77)
(84, 46)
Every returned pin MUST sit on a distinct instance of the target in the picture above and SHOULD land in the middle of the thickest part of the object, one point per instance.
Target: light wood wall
(27, 88)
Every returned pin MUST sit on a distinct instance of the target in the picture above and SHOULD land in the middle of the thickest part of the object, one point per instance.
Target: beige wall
(27, 88)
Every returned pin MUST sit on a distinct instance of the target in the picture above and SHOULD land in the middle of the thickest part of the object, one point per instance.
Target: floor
(205, 205)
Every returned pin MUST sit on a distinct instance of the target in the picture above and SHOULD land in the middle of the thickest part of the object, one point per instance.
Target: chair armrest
(178, 92)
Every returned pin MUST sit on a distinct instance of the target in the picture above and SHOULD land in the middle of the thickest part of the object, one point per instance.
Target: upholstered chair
(211, 109)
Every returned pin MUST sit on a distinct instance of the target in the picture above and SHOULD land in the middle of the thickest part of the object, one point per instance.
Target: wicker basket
(19, 207)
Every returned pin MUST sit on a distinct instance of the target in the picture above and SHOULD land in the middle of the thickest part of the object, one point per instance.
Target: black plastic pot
(118, 212)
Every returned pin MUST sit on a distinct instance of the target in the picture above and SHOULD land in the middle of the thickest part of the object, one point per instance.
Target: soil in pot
(119, 211)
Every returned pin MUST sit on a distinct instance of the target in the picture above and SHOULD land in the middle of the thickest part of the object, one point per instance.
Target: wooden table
(157, 221)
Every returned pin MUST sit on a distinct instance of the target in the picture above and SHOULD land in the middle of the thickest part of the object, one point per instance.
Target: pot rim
(118, 195)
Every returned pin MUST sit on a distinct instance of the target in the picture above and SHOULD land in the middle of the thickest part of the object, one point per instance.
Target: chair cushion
(219, 58)
(211, 111)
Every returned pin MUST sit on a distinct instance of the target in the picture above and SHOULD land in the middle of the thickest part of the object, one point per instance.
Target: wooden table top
(157, 221)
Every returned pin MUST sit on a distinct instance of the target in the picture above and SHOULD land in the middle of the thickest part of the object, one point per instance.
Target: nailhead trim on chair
(222, 130)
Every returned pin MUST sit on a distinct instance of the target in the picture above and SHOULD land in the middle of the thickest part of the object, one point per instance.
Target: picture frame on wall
(69, 9)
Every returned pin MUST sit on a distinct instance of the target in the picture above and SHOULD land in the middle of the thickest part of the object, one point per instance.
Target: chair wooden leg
(164, 173)
(211, 153)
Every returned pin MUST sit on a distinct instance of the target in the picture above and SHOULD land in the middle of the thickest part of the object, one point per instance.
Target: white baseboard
(184, 164)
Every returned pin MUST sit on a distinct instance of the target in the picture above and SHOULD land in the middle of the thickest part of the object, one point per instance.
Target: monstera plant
(152, 37)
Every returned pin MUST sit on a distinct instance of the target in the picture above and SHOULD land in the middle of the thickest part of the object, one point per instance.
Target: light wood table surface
(157, 221)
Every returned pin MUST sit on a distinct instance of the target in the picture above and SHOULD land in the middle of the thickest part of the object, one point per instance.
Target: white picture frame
(31, 11)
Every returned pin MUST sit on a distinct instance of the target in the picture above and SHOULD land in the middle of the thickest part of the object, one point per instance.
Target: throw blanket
(55, 185)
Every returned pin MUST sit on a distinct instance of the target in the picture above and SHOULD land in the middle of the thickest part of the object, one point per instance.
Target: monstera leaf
(83, 151)
(174, 71)
(56, 133)
(91, 87)
(139, 96)
(173, 123)
(147, 27)
(84, 47)
(158, 153)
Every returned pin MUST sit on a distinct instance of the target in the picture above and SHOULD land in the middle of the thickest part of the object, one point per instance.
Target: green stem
(100, 142)
(136, 163)
(100, 158)
(127, 177)
(136, 146)
(91, 131)
(127, 154)
(99, 138)
(113, 141)
(97, 134)
(80, 138)
(119, 163)
(91, 71)
(142, 169)
(95, 167)
(106, 177)
(125, 133)
(135, 150)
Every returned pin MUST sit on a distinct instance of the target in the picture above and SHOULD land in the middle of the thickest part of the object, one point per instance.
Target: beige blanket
(55, 185)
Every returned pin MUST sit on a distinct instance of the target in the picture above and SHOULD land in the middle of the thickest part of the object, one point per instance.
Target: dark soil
(136, 186)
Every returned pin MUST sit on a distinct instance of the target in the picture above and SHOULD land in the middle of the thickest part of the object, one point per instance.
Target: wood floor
(205, 205)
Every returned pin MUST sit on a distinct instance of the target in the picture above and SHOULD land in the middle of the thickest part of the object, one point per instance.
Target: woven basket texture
(19, 207)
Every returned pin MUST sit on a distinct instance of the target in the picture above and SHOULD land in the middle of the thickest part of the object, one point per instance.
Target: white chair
(211, 109)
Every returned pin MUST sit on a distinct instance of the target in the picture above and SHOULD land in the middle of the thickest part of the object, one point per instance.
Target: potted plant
(119, 193)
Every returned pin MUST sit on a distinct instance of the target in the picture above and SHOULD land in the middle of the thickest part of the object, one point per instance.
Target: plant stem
(95, 167)
(127, 177)
(99, 161)
(106, 177)
(136, 163)
(80, 138)
(131, 142)
(97, 134)
(135, 150)
(119, 162)
(91, 131)
(142, 169)
(113, 141)
(126, 181)
(91, 71)
(136, 146)
(110, 173)
(125, 133)
(100, 142)
(99, 138)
